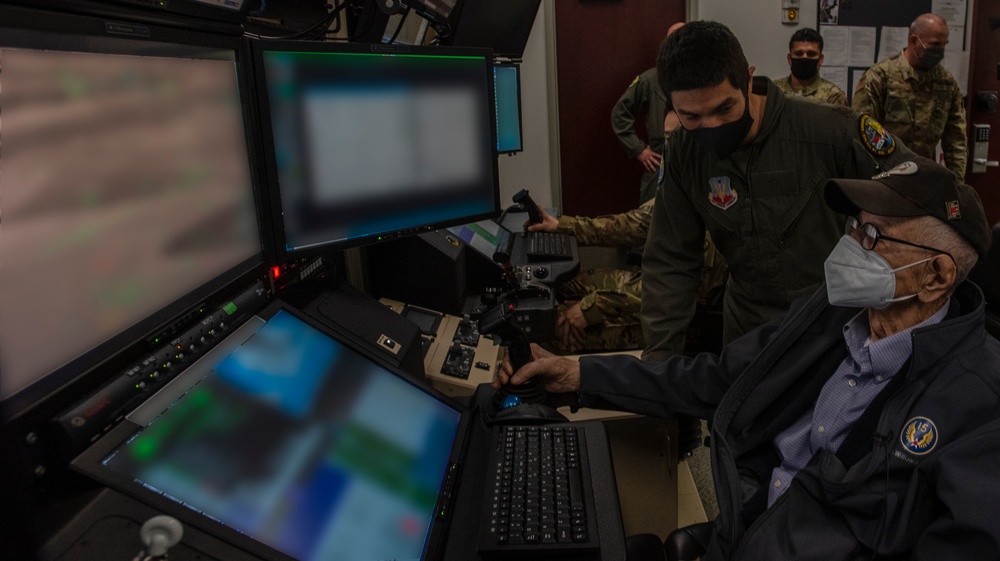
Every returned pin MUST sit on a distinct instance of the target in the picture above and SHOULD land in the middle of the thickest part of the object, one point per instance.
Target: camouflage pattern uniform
(819, 90)
(642, 96)
(610, 298)
(918, 106)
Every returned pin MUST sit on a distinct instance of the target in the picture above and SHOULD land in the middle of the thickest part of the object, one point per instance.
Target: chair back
(986, 274)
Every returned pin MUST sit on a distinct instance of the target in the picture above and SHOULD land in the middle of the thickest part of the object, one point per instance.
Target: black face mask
(931, 57)
(723, 140)
(805, 68)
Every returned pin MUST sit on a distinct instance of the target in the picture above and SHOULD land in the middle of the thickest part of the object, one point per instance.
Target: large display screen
(367, 144)
(302, 444)
(125, 188)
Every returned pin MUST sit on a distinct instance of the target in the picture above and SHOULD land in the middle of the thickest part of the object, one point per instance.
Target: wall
(533, 168)
(757, 24)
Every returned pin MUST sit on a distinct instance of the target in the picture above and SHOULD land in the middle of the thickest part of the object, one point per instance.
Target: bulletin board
(858, 33)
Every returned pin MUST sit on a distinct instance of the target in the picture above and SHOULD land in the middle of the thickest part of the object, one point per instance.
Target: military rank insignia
(721, 194)
(919, 436)
(876, 139)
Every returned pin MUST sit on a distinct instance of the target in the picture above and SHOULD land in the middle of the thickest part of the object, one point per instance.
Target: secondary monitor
(366, 142)
(507, 78)
(126, 189)
(502, 26)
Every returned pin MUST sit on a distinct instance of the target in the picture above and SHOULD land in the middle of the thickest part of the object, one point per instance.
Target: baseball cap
(919, 187)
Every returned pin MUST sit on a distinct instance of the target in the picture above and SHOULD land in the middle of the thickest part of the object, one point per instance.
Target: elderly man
(863, 424)
(916, 98)
(748, 164)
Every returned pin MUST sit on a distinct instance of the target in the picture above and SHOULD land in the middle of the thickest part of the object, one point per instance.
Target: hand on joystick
(523, 403)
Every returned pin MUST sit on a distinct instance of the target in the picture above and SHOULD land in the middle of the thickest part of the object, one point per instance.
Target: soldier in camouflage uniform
(599, 308)
(915, 98)
(805, 57)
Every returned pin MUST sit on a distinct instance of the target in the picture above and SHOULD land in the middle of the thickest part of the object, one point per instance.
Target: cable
(309, 32)
(399, 27)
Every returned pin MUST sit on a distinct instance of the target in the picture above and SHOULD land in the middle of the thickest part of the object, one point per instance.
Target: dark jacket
(893, 487)
(776, 231)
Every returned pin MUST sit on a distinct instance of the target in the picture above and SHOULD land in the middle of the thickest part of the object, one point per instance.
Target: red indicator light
(275, 272)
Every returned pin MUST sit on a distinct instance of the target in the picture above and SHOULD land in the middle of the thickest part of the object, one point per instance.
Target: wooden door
(600, 47)
(984, 76)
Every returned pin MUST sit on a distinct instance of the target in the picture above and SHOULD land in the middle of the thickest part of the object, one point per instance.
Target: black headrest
(986, 273)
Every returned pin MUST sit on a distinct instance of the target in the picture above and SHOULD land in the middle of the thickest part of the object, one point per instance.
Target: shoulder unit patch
(919, 436)
(873, 135)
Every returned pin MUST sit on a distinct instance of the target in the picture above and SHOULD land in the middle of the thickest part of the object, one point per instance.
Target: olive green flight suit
(642, 96)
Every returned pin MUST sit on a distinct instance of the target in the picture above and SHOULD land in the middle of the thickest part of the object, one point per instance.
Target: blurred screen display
(368, 144)
(304, 445)
(124, 184)
(508, 99)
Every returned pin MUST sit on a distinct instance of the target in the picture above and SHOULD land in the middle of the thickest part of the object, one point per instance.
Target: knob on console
(158, 535)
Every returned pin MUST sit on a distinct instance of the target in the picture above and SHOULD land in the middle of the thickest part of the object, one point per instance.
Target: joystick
(524, 199)
(524, 403)
(158, 535)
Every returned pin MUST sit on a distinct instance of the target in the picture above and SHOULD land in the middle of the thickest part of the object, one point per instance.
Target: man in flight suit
(748, 164)
(643, 96)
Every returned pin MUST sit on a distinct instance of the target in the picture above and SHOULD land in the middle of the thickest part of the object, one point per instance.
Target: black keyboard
(549, 246)
(538, 498)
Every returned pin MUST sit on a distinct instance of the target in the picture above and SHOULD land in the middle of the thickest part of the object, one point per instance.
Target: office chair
(986, 274)
(683, 544)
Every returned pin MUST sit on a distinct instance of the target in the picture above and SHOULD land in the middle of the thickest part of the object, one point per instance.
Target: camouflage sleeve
(615, 299)
(612, 230)
(869, 95)
(954, 143)
(837, 97)
(623, 117)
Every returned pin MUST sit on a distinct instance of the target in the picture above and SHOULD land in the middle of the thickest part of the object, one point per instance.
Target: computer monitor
(507, 78)
(292, 440)
(501, 26)
(364, 143)
(126, 189)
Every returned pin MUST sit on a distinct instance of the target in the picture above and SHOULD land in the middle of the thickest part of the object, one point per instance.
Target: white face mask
(856, 277)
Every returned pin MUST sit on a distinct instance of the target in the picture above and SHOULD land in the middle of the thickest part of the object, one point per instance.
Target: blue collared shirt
(845, 396)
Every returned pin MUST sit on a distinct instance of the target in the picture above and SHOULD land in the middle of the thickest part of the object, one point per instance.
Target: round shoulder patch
(873, 135)
(919, 436)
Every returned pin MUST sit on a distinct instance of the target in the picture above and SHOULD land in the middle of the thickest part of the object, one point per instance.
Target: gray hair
(933, 232)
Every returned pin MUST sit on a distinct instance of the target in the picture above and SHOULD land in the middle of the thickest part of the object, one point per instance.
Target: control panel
(89, 419)
(457, 358)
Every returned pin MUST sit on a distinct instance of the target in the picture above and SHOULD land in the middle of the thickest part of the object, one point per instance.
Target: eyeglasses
(870, 236)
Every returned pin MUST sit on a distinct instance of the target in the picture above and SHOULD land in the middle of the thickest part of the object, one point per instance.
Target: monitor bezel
(42, 30)
(90, 461)
(520, 109)
(281, 251)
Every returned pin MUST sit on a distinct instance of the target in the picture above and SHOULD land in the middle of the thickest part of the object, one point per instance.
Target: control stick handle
(524, 199)
(499, 323)
(158, 535)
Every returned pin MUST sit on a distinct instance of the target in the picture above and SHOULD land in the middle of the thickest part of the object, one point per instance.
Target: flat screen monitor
(125, 191)
(366, 142)
(507, 80)
(502, 26)
(294, 441)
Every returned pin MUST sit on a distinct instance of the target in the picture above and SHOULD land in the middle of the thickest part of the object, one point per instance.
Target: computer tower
(428, 270)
